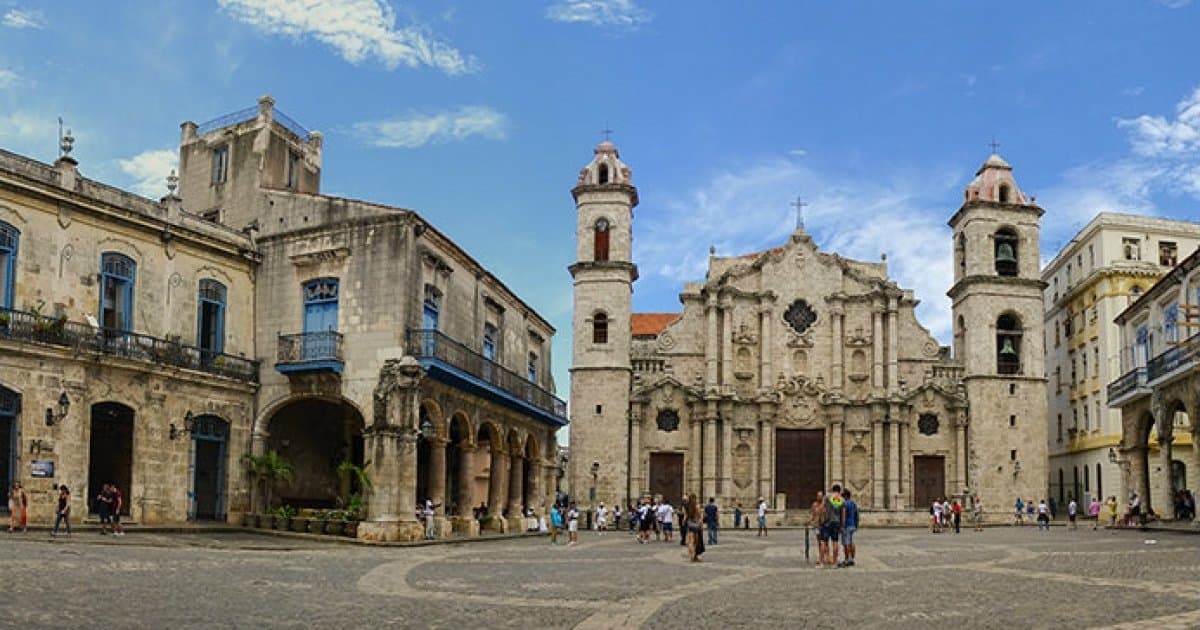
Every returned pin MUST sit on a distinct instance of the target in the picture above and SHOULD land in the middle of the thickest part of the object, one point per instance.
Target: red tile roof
(651, 324)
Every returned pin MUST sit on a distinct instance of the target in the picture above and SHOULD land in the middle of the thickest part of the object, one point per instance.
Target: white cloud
(148, 171)
(1174, 4)
(1156, 136)
(22, 18)
(357, 29)
(620, 13)
(20, 128)
(1135, 90)
(419, 129)
(8, 78)
(857, 219)
(798, 152)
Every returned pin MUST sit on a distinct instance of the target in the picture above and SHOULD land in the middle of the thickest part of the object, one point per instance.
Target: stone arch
(460, 471)
(315, 434)
(262, 422)
(1006, 250)
(433, 409)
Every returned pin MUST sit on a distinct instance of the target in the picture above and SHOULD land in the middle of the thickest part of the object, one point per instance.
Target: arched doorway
(10, 410)
(206, 497)
(110, 451)
(459, 472)
(315, 436)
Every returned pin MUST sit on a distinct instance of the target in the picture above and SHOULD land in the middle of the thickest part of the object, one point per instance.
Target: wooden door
(799, 465)
(666, 476)
(929, 480)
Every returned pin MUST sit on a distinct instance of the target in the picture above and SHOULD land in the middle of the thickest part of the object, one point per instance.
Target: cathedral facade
(792, 369)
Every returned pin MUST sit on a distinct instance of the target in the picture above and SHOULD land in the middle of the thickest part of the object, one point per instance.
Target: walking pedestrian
(18, 508)
(935, 512)
(1043, 515)
(601, 519)
(1072, 513)
(737, 516)
(849, 526)
(666, 515)
(956, 515)
(646, 516)
(1111, 506)
(573, 525)
(977, 513)
(556, 523)
(1020, 512)
(617, 517)
(710, 520)
(104, 503)
(1094, 512)
(762, 516)
(695, 543)
(62, 514)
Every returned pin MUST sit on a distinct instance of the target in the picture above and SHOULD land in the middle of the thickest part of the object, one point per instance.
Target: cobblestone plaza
(1002, 578)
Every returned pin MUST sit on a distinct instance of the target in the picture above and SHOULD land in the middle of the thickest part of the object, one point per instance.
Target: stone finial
(66, 144)
(172, 183)
(188, 131)
(266, 107)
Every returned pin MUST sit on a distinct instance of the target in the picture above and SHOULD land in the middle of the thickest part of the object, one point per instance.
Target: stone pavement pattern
(904, 579)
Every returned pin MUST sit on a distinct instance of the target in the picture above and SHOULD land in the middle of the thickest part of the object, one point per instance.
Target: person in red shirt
(118, 500)
(956, 511)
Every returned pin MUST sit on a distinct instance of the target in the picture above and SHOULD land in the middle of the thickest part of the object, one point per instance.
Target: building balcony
(1131, 386)
(23, 327)
(453, 363)
(1177, 360)
(310, 353)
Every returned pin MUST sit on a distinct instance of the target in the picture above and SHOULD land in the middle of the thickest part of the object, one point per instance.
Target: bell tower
(603, 275)
(998, 314)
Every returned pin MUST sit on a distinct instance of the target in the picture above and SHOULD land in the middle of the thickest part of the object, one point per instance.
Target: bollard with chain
(806, 543)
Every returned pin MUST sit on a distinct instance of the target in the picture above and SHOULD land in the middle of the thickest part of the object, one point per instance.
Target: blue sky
(480, 114)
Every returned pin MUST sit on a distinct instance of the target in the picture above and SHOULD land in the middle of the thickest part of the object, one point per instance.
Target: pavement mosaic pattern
(1001, 578)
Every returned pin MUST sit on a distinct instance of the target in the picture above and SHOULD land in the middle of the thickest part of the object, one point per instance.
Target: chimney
(67, 166)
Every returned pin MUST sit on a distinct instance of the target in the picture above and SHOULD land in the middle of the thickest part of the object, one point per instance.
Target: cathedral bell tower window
(1008, 345)
(1006, 252)
(600, 328)
(602, 174)
(600, 240)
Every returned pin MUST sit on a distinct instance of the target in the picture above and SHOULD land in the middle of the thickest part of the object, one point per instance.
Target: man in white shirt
(666, 515)
(1072, 512)
(762, 516)
(427, 512)
(601, 519)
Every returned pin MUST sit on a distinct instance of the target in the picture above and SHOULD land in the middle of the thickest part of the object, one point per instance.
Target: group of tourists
(835, 515)
(108, 505)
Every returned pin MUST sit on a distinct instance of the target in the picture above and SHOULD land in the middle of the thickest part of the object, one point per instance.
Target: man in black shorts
(104, 505)
(831, 525)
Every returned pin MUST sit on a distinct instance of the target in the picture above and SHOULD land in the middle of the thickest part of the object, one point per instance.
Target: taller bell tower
(998, 314)
(603, 276)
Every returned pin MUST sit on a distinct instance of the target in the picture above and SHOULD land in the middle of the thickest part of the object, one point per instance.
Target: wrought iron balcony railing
(1172, 359)
(310, 347)
(432, 344)
(1128, 382)
(31, 327)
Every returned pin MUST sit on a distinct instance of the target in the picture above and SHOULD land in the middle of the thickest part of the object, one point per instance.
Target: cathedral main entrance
(799, 465)
(929, 480)
(666, 475)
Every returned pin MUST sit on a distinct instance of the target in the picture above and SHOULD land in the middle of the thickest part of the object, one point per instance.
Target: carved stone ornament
(668, 420)
(800, 316)
(857, 339)
(666, 341)
(931, 349)
(927, 424)
(744, 336)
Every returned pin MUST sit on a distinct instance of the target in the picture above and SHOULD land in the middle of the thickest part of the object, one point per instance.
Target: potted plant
(335, 523)
(268, 470)
(355, 504)
(316, 524)
(300, 521)
(283, 516)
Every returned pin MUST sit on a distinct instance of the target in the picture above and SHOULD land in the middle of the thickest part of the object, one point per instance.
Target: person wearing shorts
(645, 522)
(666, 514)
(849, 526)
(831, 525)
(104, 506)
(118, 502)
(762, 516)
(573, 525)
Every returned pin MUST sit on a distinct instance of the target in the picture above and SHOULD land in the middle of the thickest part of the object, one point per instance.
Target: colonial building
(121, 317)
(1098, 273)
(369, 338)
(1157, 393)
(791, 369)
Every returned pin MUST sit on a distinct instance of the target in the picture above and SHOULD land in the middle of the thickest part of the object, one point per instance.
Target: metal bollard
(806, 543)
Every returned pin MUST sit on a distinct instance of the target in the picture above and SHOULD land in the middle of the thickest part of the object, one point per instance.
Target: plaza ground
(1002, 578)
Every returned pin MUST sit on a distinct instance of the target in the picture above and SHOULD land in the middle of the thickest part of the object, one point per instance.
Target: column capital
(438, 441)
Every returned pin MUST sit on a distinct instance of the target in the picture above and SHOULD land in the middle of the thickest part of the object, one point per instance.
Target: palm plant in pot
(268, 470)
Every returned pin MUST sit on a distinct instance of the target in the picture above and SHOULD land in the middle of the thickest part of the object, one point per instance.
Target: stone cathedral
(791, 369)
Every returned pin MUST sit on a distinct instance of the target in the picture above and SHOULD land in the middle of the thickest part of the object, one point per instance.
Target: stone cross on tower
(995, 145)
(799, 204)
(607, 132)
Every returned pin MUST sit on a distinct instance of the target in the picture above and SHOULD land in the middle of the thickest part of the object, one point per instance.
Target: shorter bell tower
(603, 275)
(998, 314)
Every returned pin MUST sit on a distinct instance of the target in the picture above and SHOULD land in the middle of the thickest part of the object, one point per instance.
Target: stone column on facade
(1140, 471)
(893, 361)
(837, 318)
(708, 465)
(765, 375)
(695, 456)
(437, 474)
(877, 460)
(1194, 464)
(391, 445)
(466, 481)
(960, 461)
(635, 454)
(497, 481)
(726, 487)
(837, 473)
(893, 473)
(877, 346)
(710, 343)
(766, 461)
(727, 343)
(516, 486)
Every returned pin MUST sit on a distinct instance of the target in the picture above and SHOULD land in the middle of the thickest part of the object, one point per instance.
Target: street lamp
(427, 431)
(189, 425)
(54, 417)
